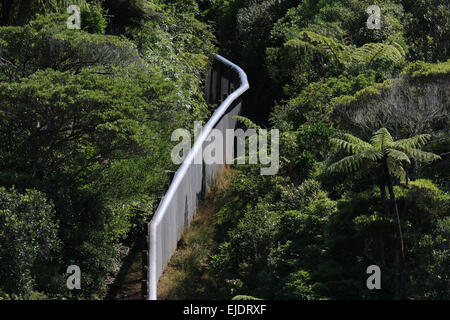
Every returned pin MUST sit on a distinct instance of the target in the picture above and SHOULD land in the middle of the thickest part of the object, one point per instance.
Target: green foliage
(421, 69)
(28, 237)
(327, 76)
(297, 287)
(86, 119)
(243, 297)
(371, 52)
(93, 120)
(181, 48)
(93, 19)
(47, 43)
(249, 260)
(324, 39)
(315, 48)
(427, 231)
(427, 27)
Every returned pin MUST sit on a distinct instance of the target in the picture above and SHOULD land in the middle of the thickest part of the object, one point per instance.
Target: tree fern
(391, 158)
(326, 46)
(382, 148)
(342, 54)
(370, 52)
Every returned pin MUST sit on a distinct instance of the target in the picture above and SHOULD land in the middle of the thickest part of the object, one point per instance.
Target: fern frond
(399, 47)
(347, 164)
(420, 155)
(243, 297)
(373, 155)
(381, 139)
(359, 143)
(370, 52)
(324, 45)
(354, 162)
(414, 142)
(397, 155)
(249, 124)
(342, 144)
(297, 43)
(396, 169)
(350, 146)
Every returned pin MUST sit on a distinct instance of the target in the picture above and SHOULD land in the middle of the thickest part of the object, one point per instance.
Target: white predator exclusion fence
(190, 182)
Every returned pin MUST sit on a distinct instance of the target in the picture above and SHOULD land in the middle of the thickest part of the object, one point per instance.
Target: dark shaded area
(128, 283)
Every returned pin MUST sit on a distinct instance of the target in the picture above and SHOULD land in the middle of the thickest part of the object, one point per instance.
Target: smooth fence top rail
(181, 173)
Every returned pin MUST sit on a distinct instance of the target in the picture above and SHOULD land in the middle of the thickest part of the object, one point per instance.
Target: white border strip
(181, 172)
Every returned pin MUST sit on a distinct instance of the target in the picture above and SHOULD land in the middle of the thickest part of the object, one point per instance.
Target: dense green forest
(86, 118)
(364, 151)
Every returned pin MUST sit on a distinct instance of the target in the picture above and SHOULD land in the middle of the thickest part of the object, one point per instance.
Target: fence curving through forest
(193, 178)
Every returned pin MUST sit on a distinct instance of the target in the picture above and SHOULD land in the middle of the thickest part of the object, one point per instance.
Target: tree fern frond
(370, 52)
(399, 47)
(325, 45)
(373, 155)
(347, 164)
(397, 155)
(396, 169)
(381, 139)
(351, 144)
(297, 43)
(345, 145)
(354, 162)
(414, 142)
(360, 144)
(249, 124)
(420, 155)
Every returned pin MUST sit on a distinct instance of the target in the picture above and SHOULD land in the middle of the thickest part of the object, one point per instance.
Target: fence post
(146, 265)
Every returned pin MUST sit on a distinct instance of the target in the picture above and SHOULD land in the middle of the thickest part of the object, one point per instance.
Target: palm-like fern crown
(382, 147)
(341, 54)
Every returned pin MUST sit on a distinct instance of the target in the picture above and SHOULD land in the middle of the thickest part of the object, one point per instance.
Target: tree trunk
(400, 233)
(394, 204)
(384, 199)
(386, 210)
(397, 295)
